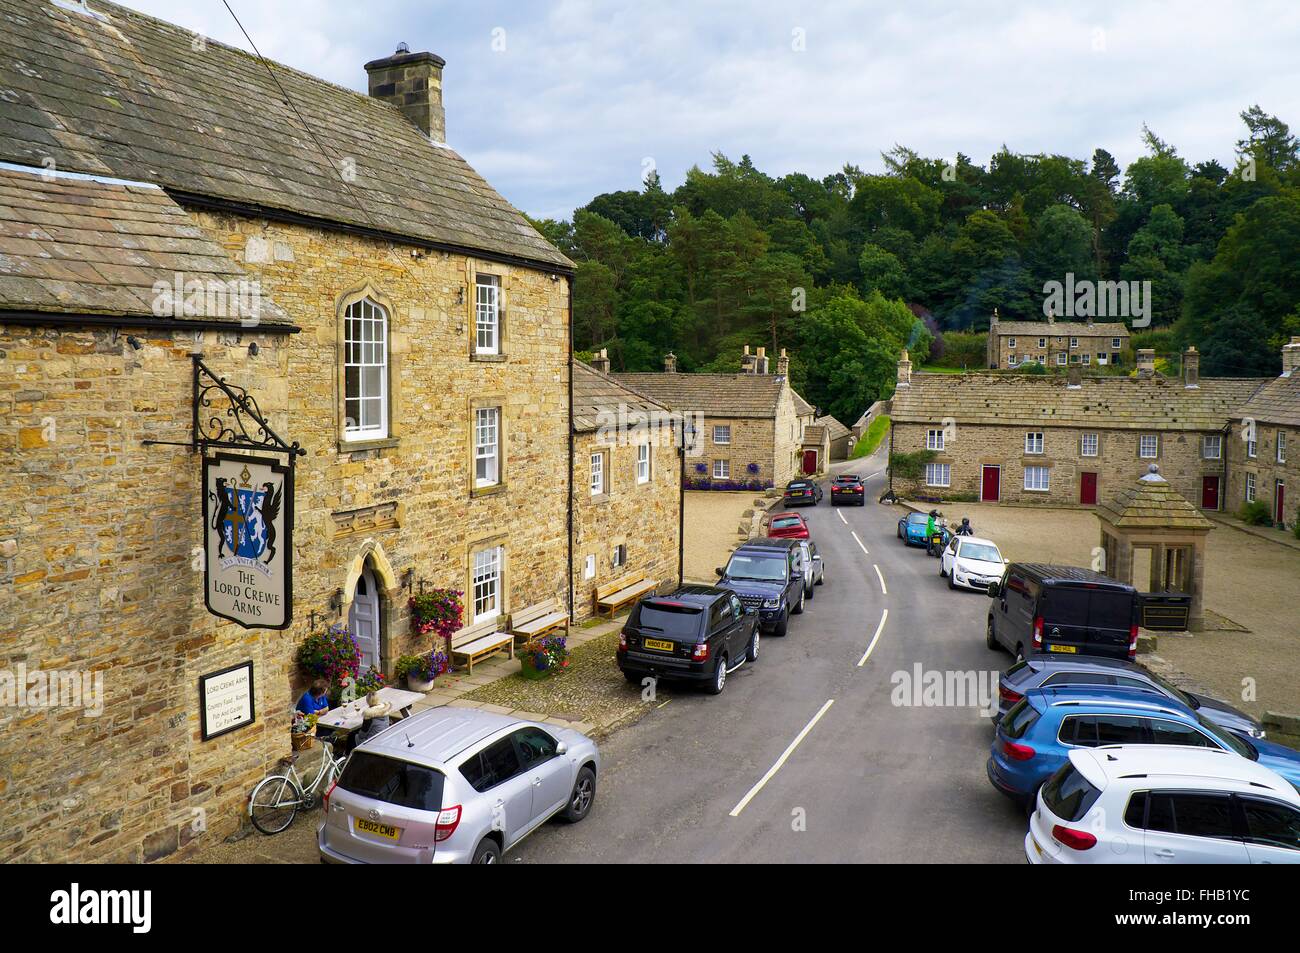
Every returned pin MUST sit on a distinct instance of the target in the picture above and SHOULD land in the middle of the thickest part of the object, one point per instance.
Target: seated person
(374, 718)
(315, 701)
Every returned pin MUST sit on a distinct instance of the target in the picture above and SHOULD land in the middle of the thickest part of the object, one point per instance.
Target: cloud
(558, 102)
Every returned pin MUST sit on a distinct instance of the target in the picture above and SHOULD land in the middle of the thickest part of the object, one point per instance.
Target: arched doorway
(364, 619)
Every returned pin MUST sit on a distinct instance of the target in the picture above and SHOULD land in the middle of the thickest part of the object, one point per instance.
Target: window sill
(479, 491)
(598, 498)
(379, 443)
(488, 358)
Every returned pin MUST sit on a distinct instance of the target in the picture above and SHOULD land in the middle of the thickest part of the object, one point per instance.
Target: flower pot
(301, 740)
(417, 684)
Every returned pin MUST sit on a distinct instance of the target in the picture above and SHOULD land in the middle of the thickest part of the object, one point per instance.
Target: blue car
(911, 529)
(1037, 734)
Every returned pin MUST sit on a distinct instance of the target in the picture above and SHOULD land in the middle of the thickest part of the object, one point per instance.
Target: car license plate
(380, 830)
(1065, 649)
(658, 644)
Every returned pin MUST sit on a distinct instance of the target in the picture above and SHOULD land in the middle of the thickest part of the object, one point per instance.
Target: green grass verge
(871, 439)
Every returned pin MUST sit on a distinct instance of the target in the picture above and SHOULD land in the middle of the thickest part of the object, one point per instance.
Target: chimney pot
(1146, 362)
(601, 361)
(783, 364)
(1291, 357)
(1191, 368)
(904, 370)
(412, 82)
(670, 363)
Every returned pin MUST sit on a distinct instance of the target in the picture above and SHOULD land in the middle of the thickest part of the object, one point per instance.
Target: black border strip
(142, 322)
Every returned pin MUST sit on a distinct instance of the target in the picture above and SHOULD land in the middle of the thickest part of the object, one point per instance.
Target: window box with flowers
(543, 657)
(421, 670)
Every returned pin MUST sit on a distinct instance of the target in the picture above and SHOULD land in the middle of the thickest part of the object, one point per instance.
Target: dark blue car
(768, 575)
(911, 529)
(1037, 734)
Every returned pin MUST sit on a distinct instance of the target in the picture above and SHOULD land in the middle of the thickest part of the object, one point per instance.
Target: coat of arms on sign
(245, 520)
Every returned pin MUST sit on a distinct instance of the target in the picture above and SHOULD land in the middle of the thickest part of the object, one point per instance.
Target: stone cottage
(1063, 440)
(1088, 344)
(164, 196)
(627, 487)
(751, 424)
(1263, 450)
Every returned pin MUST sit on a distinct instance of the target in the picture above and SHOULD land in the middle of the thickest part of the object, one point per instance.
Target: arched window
(365, 371)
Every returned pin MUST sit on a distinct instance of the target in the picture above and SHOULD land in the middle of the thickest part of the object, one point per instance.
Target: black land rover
(698, 633)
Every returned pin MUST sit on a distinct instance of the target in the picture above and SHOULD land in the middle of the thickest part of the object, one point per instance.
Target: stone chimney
(1191, 368)
(783, 364)
(1146, 362)
(904, 370)
(747, 362)
(1051, 315)
(670, 363)
(1074, 377)
(413, 83)
(760, 362)
(1291, 357)
(601, 361)
(1090, 321)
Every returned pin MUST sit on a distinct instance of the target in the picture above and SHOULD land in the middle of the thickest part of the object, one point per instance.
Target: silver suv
(455, 785)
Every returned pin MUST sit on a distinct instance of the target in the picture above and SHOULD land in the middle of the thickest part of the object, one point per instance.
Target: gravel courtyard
(712, 518)
(1249, 581)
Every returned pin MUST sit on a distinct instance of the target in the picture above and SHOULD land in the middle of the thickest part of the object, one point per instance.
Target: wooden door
(990, 484)
(1088, 488)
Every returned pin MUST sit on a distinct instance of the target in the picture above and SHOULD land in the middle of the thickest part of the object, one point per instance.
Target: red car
(787, 526)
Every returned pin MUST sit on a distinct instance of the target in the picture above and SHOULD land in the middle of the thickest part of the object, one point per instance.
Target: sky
(556, 102)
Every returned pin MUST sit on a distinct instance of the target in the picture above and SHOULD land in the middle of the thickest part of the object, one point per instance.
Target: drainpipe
(681, 507)
(569, 364)
(1223, 457)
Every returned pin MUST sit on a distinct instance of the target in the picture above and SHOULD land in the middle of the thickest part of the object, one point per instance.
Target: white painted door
(363, 619)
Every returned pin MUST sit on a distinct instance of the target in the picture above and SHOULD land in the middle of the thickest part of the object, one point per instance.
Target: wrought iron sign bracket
(240, 426)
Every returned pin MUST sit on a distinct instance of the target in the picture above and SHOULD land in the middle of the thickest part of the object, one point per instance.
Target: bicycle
(276, 800)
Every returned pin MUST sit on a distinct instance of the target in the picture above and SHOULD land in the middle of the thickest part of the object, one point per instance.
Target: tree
(883, 272)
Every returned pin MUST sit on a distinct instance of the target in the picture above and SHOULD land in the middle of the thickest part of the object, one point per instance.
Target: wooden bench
(621, 592)
(537, 620)
(475, 642)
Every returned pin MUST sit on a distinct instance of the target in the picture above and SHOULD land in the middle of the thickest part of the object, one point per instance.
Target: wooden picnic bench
(475, 642)
(613, 596)
(537, 620)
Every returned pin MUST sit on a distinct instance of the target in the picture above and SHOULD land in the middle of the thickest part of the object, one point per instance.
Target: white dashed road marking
(771, 772)
(859, 542)
(874, 639)
(841, 516)
(883, 590)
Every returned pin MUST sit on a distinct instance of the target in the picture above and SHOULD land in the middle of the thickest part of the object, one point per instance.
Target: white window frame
(938, 474)
(589, 567)
(1252, 448)
(618, 556)
(1031, 484)
(1042, 343)
(1142, 446)
(1074, 342)
(1101, 359)
(722, 435)
(1083, 445)
(1011, 343)
(1034, 438)
(1115, 344)
(1087, 358)
(642, 463)
(934, 439)
(596, 476)
(487, 447)
(722, 469)
(487, 314)
(1061, 358)
(1012, 360)
(1250, 487)
(1281, 446)
(1214, 440)
(365, 355)
(486, 583)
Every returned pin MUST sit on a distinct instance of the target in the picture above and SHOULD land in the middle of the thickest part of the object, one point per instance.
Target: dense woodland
(838, 269)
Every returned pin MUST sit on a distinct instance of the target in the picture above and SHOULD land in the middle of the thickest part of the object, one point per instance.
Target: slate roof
(814, 434)
(1151, 503)
(801, 406)
(834, 427)
(1156, 403)
(1076, 329)
(1277, 402)
(132, 99)
(714, 395)
(596, 394)
(78, 246)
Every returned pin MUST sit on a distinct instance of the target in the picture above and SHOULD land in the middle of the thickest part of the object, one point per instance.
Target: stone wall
(751, 442)
(1264, 465)
(1000, 351)
(1117, 464)
(643, 518)
(98, 533)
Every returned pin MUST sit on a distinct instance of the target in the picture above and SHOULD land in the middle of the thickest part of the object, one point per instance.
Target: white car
(971, 562)
(455, 785)
(1164, 804)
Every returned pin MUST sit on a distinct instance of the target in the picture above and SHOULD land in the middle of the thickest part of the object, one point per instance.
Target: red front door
(810, 461)
(1279, 503)
(1087, 488)
(1210, 493)
(990, 484)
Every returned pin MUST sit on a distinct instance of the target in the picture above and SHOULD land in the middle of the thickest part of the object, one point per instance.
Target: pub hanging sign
(248, 540)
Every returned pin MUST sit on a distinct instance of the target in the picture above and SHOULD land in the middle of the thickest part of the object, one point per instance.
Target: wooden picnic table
(347, 717)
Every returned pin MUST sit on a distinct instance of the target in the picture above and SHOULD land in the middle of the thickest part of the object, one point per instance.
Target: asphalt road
(867, 781)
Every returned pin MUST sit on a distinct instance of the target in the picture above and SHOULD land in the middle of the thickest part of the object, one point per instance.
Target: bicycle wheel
(274, 804)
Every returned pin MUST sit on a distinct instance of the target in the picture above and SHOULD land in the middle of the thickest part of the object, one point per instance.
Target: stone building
(1263, 450)
(627, 487)
(403, 324)
(1063, 440)
(751, 424)
(1055, 343)
(838, 436)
